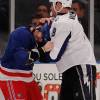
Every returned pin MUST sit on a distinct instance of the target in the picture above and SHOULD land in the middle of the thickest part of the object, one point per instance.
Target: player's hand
(44, 20)
(48, 46)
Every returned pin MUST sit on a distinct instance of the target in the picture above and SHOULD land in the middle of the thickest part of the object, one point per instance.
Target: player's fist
(44, 20)
(48, 46)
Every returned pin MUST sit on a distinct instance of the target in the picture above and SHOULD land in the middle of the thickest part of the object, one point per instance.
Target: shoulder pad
(72, 14)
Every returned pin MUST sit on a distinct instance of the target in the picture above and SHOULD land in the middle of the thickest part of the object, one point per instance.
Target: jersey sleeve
(20, 51)
(59, 36)
(21, 56)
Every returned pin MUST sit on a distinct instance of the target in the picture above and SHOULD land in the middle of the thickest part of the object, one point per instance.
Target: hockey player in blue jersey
(23, 49)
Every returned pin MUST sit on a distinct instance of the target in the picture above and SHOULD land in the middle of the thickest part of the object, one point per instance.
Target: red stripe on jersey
(15, 74)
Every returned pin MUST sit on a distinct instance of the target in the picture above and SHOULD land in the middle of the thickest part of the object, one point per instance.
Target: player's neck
(64, 11)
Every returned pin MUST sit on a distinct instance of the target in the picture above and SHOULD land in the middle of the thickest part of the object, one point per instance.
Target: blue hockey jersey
(21, 41)
(16, 63)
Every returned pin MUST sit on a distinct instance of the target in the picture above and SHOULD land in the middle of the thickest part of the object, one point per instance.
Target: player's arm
(39, 53)
(25, 57)
(60, 37)
(22, 55)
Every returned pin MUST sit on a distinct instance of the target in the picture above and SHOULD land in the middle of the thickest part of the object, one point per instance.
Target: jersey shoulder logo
(72, 14)
(53, 32)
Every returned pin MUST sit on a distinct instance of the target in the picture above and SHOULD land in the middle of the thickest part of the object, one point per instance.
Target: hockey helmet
(65, 3)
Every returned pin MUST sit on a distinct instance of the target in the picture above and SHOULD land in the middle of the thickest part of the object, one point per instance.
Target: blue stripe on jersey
(63, 48)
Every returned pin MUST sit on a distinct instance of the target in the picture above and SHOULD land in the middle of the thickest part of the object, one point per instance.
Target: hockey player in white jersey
(73, 54)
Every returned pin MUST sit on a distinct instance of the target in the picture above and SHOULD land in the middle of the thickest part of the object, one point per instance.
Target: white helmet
(65, 3)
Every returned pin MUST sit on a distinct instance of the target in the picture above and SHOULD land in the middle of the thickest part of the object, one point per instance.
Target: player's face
(38, 36)
(56, 7)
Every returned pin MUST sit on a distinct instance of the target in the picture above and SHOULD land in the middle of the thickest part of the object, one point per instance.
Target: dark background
(25, 10)
(4, 15)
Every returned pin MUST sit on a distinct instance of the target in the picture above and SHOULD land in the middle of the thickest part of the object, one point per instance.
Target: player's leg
(78, 83)
(13, 90)
(34, 91)
(25, 90)
(4, 94)
(69, 81)
(19, 90)
(87, 78)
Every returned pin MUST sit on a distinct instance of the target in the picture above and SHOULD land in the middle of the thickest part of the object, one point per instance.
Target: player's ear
(58, 3)
(58, 6)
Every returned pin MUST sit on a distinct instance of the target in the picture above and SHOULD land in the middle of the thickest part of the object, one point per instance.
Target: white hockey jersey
(77, 50)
